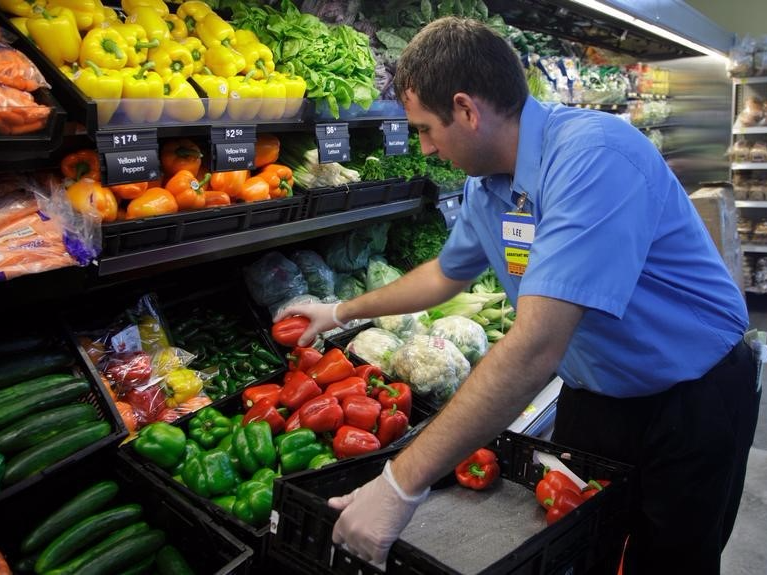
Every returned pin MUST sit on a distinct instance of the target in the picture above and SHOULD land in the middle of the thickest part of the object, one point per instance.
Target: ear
(465, 109)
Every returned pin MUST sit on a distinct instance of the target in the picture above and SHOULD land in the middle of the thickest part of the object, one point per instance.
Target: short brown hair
(453, 55)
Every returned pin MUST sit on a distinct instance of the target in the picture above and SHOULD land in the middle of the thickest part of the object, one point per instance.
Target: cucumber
(53, 450)
(170, 561)
(140, 568)
(25, 564)
(33, 385)
(38, 427)
(103, 546)
(24, 344)
(82, 534)
(82, 505)
(34, 364)
(125, 554)
(34, 402)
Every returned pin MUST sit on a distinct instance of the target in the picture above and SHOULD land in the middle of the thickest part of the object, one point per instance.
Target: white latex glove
(373, 516)
(322, 316)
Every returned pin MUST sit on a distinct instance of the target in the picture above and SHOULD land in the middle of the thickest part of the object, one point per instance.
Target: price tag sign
(395, 137)
(333, 143)
(128, 156)
(232, 148)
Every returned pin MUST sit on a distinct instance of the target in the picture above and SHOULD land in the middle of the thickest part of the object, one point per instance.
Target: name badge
(518, 232)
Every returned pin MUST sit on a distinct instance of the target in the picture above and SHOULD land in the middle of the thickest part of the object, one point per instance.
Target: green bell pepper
(265, 475)
(161, 443)
(191, 448)
(254, 502)
(210, 473)
(321, 460)
(292, 440)
(209, 426)
(253, 446)
(297, 448)
(225, 502)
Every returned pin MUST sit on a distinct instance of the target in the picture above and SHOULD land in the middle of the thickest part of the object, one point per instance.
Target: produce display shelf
(751, 204)
(39, 145)
(754, 248)
(330, 200)
(749, 166)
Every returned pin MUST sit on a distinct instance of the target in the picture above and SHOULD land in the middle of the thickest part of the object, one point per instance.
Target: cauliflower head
(467, 335)
(433, 366)
(405, 325)
(376, 346)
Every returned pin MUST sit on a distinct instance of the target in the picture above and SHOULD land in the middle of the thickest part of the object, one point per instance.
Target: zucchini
(125, 554)
(53, 450)
(24, 344)
(25, 564)
(34, 364)
(38, 427)
(34, 402)
(82, 505)
(140, 568)
(33, 385)
(170, 561)
(103, 546)
(82, 534)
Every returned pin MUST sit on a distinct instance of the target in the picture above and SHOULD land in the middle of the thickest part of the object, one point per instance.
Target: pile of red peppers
(559, 495)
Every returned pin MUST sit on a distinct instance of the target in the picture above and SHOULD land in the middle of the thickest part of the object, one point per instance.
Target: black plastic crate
(206, 545)
(331, 200)
(586, 539)
(129, 236)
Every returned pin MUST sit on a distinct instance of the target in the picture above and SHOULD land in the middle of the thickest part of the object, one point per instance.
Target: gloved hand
(373, 516)
(322, 316)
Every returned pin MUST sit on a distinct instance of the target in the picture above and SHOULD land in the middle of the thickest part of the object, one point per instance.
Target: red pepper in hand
(303, 358)
(398, 394)
(564, 502)
(264, 410)
(293, 422)
(288, 331)
(552, 483)
(298, 388)
(479, 470)
(349, 386)
(350, 441)
(333, 366)
(372, 375)
(392, 424)
(323, 413)
(253, 394)
(361, 411)
(593, 487)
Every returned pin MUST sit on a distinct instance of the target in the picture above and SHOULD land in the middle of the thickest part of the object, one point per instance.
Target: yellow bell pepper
(89, 14)
(196, 48)
(176, 26)
(21, 7)
(192, 12)
(245, 97)
(295, 88)
(106, 47)
(110, 16)
(170, 57)
(244, 36)
(273, 107)
(186, 105)
(104, 86)
(143, 93)
(130, 6)
(224, 61)
(89, 197)
(20, 23)
(258, 57)
(138, 43)
(216, 90)
(213, 30)
(56, 35)
(69, 70)
(151, 21)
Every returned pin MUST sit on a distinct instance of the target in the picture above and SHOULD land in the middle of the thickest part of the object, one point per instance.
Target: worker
(618, 289)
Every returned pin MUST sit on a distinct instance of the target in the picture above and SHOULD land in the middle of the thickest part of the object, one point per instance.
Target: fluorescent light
(657, 30)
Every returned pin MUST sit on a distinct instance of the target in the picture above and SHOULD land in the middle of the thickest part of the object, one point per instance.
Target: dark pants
(690, 446)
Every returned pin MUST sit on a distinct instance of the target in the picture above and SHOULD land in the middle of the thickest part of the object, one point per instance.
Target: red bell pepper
(392, 424)
(288, 331)
(351, 441)
(553, 482)
(303, 358)
(372, 375)
(147, 402)
(593, 487)
(333, 366)
(298, 388)
(323, 413)
(479, 470)
(397, 393)
(564, 502)
(251, 395)
(293, 422)
(264, 410)
(128, 370)
(361, 411)
(349, 386)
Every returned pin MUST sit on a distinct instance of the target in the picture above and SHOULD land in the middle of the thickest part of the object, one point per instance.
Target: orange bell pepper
(130, 191)
(81, 164)
(153, 202)
(216, 198)
(229, 182)
(267, 150)
(180, 154)
(254, 189)
(187, 190)
(87, 196)
(280, 180)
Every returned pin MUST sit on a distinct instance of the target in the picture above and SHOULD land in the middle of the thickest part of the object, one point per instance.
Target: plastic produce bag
(18, 71)
(467, 335)
(296, 300)
(405, 325)
(319, 276)
(380, 274)
(348, 286)
(350, 251)
(376, 346)
(274, 278)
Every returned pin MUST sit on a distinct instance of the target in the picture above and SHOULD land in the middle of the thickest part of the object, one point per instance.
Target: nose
(427, 147)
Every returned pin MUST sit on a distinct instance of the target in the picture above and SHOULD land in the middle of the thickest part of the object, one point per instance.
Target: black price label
(126, 140)
(226, 134)
(131, 166)
(234, 156)
(333, 143)
(395, 138)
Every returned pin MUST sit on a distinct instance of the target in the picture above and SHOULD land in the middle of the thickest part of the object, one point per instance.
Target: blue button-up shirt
(615, 233)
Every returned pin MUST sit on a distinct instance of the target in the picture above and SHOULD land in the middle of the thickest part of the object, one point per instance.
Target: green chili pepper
(265, 355)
